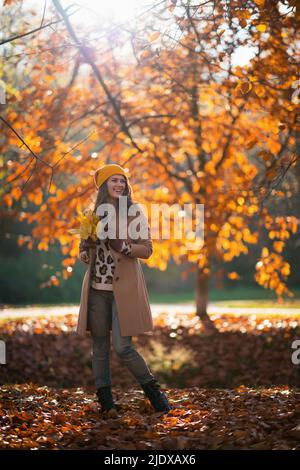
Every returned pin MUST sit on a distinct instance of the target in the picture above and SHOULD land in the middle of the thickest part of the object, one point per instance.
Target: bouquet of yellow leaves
(88, 222)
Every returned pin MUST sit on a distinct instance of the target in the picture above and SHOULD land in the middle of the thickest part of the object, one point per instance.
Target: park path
(157, 309)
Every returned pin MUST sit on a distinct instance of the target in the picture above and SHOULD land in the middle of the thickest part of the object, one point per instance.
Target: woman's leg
(99, 318)
(101, 370)
(137, 366)
(127, 353)
(101, 361)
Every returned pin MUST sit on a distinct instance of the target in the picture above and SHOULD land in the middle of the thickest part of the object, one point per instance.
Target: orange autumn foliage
(189, 123)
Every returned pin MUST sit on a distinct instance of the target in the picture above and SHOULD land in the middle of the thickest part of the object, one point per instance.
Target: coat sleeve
(83, 248)
(142, 247)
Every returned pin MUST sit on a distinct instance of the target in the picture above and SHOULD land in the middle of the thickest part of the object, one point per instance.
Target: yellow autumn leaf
(250, 143)
(154, 36)
(285, 270)
(74, 231)
(261, 27)
(146, 54)
(265, 252)
(233, 275)
(274, 146)
(294, 224)
(272, 234)
(16, 193)
(244, 87)
(88, 221)
(63, 239)
(42, 246)
(68, 261)
(259, 90)
(280, 289)
(8, 200)
(243, 23)
(278, 246)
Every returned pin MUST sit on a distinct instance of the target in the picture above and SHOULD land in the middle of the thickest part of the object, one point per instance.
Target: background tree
(211, 131)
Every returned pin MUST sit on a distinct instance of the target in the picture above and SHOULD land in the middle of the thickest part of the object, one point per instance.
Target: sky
(95, 12)
(101, 13)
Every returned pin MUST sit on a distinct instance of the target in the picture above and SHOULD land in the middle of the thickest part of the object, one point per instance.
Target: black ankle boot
(157, 398)
(105, 399)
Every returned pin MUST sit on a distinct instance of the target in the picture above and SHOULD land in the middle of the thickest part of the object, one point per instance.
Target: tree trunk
(201, 293)
(202, 300)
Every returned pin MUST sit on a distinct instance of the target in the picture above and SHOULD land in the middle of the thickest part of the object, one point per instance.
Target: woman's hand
(122, 246)
(85, 245)
(116, 244)
(84, 248)
(83, 255)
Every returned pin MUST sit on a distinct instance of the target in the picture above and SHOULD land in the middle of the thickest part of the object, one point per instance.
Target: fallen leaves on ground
(238, 387)
(35, 417)
(251, 350)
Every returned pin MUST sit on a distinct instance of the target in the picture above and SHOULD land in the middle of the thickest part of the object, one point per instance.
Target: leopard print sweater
(104, 266)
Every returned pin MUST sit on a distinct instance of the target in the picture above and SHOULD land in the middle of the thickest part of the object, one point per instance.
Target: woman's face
(116, 185)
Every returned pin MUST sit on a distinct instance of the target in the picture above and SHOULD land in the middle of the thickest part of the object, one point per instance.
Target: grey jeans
(103, 317)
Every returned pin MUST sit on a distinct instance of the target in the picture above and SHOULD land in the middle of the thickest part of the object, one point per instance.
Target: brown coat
(129, 288)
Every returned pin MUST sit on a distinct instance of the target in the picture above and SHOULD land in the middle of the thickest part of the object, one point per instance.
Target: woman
(114, 296)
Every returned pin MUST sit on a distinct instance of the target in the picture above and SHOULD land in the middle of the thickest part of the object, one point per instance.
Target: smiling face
(116, 185)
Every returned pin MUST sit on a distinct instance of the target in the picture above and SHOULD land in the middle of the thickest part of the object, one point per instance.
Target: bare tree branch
(23, 142)
(18, 36)
(154, 116)
(84, 51)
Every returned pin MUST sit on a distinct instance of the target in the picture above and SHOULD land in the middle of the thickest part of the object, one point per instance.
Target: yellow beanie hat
(105, 171)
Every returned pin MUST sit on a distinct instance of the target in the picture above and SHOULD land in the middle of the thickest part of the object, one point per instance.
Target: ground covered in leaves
(236, 388)
(46, 418)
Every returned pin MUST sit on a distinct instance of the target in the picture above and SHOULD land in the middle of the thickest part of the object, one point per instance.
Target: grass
(252, 297)
(231, 297)
(258, 303)
(171, 298)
